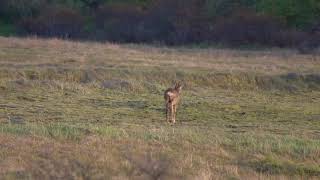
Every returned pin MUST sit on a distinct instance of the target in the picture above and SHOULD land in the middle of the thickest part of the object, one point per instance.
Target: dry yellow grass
(56, 52)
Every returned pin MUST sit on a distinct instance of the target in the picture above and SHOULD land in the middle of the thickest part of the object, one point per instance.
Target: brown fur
(172, 98)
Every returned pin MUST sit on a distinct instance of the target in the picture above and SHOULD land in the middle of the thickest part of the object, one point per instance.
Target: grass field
(71, 110)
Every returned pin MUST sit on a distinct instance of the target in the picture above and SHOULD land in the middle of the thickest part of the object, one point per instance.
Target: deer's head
(178, 87)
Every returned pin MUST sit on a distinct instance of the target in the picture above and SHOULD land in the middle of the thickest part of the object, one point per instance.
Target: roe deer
(172, 97)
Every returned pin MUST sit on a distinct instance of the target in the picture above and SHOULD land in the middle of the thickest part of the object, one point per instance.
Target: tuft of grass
(15, 129)
(298, 148)
(273, 165)
(55, 131)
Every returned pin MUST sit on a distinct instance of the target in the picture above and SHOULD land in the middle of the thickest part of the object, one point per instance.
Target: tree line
(282, 23)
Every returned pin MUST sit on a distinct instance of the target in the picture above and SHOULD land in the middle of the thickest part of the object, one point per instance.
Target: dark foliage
(230, 22)
(55, 22)
(118, 22)
(248, 27)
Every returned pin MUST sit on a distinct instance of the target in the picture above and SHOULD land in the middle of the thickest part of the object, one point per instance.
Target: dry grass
(83, 110)
(54, 52)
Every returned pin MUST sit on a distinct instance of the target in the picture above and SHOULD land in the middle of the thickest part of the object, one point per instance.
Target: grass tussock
(275, 166)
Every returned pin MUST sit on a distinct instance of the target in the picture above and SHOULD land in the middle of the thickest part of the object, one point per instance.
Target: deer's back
(171, 95)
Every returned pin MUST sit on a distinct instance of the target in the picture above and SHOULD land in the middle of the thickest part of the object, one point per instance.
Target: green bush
(164, 21)
(14, 10)
(7, 29)
(295, 13)
(55, 21)
(218, 8)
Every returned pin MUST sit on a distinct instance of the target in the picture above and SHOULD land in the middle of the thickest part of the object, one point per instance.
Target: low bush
(247, 27)
(55, 22)
(173, 22)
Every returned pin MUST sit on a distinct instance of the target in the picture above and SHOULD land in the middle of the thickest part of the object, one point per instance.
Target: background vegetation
(231, 22)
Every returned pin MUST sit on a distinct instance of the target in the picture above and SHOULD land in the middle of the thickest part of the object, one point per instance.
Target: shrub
(223, 8)
(247, 27)
(295, 13)
(118, 21)
(167, 21)
(57, 21)
(7, 29)
(184, 19)
(233, 22)
(13, 10)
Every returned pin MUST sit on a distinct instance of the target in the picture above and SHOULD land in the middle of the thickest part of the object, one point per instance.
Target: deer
(172, 98)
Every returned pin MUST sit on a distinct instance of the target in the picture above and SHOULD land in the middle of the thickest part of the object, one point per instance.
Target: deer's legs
(174, 113)
(168, 113)
(173, 117)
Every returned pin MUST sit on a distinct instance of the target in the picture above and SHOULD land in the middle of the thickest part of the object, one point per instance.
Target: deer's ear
(178, 85)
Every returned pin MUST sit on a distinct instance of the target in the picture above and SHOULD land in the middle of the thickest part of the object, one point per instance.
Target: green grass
(53, 130)
(86, 110)
(274, 166)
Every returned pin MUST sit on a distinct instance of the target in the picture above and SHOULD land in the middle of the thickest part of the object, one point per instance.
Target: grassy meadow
(84, 110)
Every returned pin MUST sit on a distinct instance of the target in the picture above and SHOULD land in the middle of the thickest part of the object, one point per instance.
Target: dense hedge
(232, 22)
